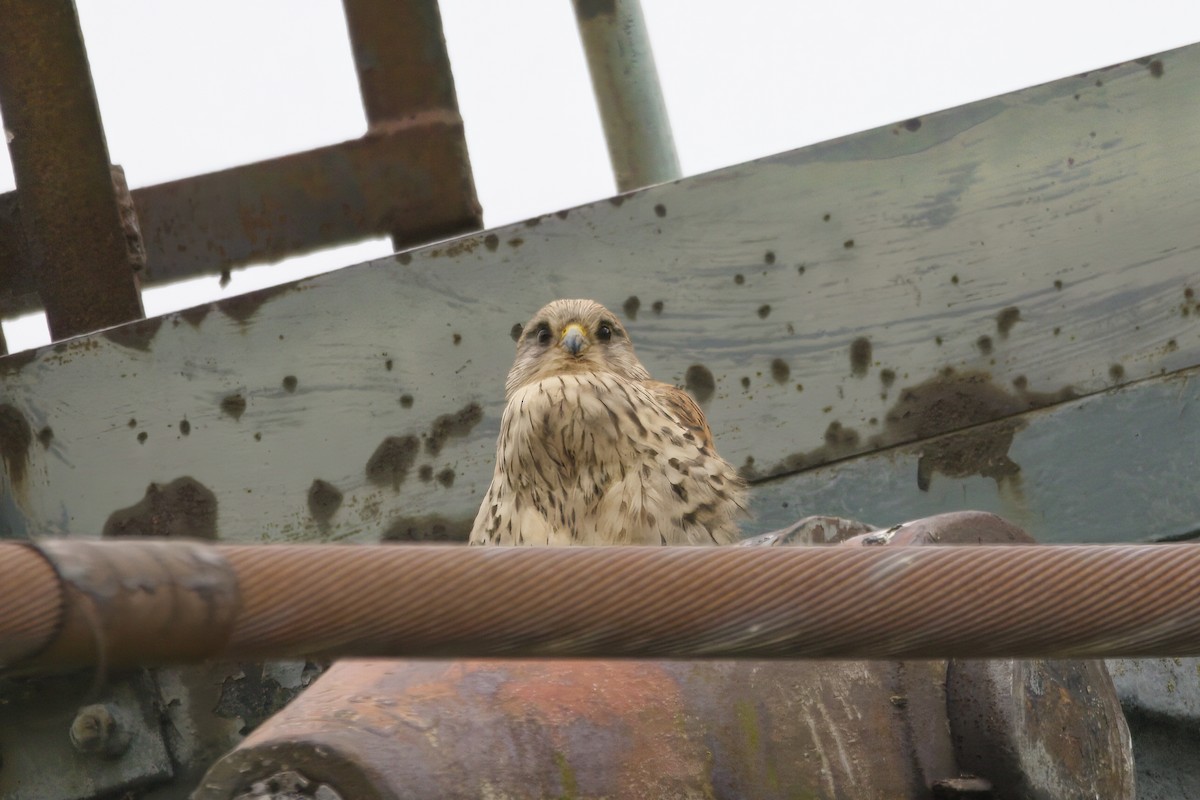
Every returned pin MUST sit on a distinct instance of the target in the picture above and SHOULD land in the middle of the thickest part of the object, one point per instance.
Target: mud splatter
(428, 528)
(700, 382)
(289, 383)
(391, 461)
(234, 405)
(1006, 319)
(448, 426)
(323, 500)
(183, 508)
(860, 356)
(780, 371)
(631, 306)
(968, 414)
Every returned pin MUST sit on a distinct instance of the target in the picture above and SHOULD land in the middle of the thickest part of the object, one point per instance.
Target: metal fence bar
(405, 80)
(389, 182)
(628, 94)
(117, 599)
(70, 219)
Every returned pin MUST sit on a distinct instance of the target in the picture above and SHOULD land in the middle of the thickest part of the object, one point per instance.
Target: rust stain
(183, 508)
(641, 701)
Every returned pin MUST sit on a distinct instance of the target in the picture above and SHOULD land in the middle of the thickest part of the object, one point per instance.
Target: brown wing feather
(681, 404)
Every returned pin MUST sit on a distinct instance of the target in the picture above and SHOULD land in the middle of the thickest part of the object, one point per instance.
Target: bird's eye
(544, 336)
(604, 332)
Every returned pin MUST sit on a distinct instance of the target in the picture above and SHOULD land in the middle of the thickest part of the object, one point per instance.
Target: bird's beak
(573, 339)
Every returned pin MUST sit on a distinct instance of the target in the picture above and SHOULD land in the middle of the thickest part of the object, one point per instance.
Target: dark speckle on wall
(860, 356)
(699, 381)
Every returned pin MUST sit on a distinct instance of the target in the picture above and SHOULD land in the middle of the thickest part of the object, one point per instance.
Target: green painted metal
(846, 299)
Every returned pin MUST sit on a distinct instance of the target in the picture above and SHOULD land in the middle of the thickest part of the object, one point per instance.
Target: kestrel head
(573, 336)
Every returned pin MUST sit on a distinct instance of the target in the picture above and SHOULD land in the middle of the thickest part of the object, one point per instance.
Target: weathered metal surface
(44, 719)
(400, 54)
(70, 220)
(625, 81)
(1031, 728)
(712, 730)
(1162, 687)
(818, 289)
(1161, 699)
(163, 601)
(606, 729)
(163, 730)
(1114, 466)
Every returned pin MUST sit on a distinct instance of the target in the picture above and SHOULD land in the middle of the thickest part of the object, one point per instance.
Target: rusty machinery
(951, 728)
(1032, 722)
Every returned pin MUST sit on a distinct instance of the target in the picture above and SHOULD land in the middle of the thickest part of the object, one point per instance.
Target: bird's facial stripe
(539, 333)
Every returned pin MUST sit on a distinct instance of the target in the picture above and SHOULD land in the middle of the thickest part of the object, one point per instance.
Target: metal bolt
(98, 729)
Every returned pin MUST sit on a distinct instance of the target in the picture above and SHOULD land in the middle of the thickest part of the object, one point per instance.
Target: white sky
(190, 87)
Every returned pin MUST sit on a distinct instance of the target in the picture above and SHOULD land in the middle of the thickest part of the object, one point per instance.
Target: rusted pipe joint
(146, 603)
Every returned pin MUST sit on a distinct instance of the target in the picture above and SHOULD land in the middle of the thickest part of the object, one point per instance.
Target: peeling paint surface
(792, 293)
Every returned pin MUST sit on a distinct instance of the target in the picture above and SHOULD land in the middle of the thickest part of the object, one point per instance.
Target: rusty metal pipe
(140, 602)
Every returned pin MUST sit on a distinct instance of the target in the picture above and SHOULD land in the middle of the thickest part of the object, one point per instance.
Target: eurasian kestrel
(593, 451)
